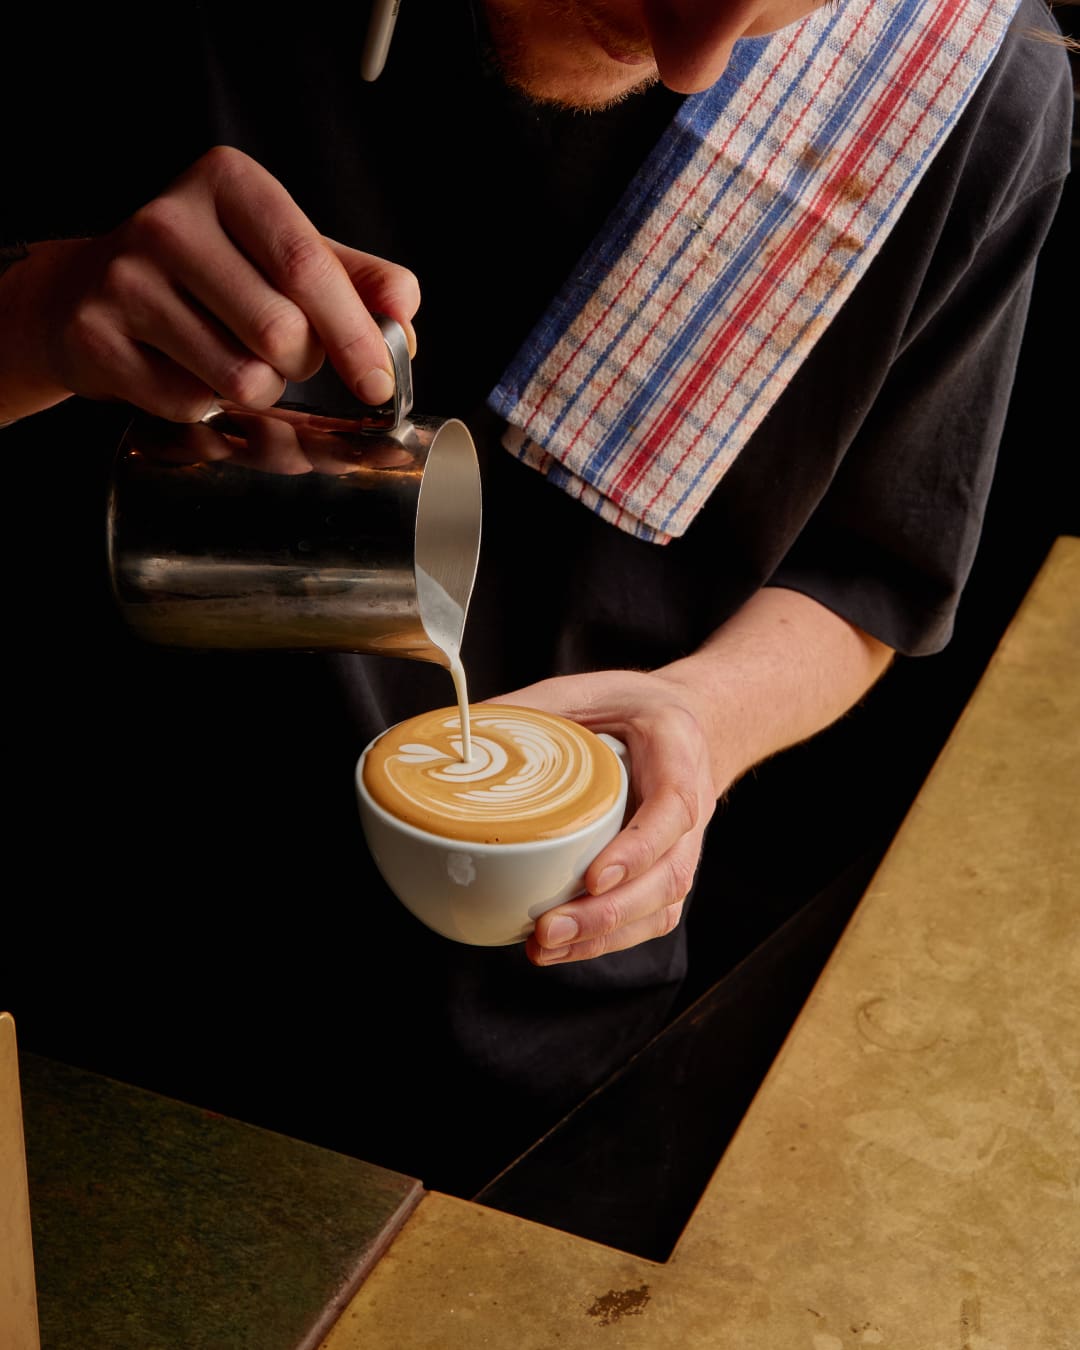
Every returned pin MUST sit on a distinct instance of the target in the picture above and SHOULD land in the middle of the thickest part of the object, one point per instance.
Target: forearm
(781, 669)
(27, 385)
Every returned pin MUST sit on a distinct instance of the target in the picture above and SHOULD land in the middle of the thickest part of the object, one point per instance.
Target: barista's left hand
(779, 670)
(637, 885)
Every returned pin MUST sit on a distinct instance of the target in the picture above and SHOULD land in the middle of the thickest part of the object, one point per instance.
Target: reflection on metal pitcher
(292, 529)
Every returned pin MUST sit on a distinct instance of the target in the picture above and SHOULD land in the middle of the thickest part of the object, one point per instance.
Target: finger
(384, 287)
(655, 924)
(181, 240)
(551, 696)
(192, 341)
(637, 911)
(108, 364)
(134, 298)
(670, 773)
(671, 808)
(270, 229)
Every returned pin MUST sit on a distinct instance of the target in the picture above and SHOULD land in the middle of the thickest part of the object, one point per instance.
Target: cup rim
(480, 846)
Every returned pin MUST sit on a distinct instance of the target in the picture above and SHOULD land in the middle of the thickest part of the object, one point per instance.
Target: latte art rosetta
(531, 775)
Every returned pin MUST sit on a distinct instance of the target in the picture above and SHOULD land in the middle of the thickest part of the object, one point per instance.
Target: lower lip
(625, 56)
(630, 58)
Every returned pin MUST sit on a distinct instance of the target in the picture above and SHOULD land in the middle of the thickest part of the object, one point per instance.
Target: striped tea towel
(758, 211)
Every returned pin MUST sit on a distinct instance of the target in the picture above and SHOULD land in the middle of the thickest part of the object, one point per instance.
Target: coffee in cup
(531, 775)
(479, 848)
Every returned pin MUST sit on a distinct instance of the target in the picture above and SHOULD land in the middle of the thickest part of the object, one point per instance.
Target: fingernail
(561, 931)
(376, 387)
(609, 878)
(550, 958)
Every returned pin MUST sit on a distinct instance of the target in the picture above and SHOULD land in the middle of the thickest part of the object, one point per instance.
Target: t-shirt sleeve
(891, 543)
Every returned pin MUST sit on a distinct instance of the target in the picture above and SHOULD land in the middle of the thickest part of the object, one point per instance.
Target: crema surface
(532, 775)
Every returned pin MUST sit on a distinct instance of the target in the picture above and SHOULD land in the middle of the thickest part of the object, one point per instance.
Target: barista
(214, 792)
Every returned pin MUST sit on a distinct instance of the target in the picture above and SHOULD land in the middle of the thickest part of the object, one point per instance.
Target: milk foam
(530, 775)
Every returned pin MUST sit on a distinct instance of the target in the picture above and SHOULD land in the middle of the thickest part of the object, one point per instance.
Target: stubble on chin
(563, 76)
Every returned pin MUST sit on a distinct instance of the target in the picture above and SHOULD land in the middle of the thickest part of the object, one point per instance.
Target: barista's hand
(219, 286)
(779, 670)
(637, 885)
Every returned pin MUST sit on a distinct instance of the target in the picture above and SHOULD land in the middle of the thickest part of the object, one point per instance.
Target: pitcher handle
(389, 416)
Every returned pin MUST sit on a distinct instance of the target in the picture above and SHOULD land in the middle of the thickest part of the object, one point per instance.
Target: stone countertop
(157, 1225)
(908, 1175)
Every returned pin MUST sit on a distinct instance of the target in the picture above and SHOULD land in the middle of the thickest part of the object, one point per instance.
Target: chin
(585, 92)
(548, 68)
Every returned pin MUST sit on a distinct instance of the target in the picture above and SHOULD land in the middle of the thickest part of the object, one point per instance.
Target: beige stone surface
(18, 1294)
(908, 1176)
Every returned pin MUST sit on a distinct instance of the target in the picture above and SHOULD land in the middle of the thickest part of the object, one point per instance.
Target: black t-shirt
(244, 953)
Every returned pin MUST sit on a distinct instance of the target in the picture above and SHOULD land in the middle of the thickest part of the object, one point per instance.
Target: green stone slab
(159, 1226)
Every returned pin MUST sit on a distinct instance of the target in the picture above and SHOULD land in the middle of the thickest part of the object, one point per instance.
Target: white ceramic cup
(486, 895)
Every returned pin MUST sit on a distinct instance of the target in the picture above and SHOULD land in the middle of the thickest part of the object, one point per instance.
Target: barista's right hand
(220, 286)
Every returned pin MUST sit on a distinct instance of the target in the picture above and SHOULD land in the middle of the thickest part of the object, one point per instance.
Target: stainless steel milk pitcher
(293, 529)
